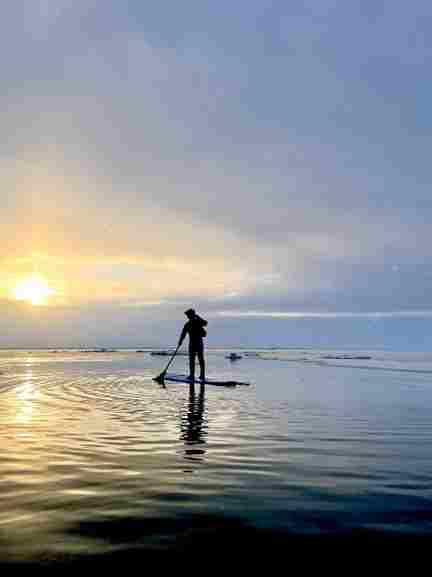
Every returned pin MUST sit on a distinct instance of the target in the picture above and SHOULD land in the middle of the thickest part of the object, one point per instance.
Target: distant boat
(234, 357)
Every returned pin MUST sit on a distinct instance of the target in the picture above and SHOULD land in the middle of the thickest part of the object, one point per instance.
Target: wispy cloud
(324, 315)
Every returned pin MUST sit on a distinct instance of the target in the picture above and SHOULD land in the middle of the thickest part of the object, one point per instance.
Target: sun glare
(34, 290)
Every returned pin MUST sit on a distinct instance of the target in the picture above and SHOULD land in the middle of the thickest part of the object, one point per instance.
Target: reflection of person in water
(195, 329)
(193, 428)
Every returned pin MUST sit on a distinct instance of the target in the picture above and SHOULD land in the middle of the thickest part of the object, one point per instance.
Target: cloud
(254, 155)
(326, 315)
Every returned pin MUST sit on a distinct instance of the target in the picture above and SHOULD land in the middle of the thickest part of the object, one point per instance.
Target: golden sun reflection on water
(26, 394)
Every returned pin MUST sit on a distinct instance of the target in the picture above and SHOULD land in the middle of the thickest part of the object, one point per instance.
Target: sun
(34, 290)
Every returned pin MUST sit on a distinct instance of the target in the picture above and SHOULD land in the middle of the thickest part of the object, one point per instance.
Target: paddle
(160, 379)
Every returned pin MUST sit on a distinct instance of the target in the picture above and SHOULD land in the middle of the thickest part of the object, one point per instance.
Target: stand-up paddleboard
(176, 378)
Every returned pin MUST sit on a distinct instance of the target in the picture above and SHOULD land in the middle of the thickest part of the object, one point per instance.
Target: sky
(267, 162)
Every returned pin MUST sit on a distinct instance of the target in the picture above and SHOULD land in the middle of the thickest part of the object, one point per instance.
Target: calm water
(97, 458)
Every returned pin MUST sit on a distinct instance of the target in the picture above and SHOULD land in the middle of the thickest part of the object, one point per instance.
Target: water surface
(97, 458)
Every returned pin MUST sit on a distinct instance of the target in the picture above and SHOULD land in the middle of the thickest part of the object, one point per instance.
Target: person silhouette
(195, 329)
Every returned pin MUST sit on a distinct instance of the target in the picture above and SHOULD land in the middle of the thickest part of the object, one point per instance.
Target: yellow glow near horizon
(34, 290)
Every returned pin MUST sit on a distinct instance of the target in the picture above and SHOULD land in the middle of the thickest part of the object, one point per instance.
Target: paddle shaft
(171, 360)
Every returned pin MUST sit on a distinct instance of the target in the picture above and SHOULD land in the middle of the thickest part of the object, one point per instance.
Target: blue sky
(261, 156)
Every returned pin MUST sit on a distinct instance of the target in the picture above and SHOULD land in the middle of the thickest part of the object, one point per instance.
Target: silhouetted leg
(192, 353)
(200, 353)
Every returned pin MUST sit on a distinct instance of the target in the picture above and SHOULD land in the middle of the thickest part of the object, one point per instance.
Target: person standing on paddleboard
(195, 329)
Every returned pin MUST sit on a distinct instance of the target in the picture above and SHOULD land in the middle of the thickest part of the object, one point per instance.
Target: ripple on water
(83, 447)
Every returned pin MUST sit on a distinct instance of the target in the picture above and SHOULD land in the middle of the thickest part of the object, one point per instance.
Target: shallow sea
(98, 462)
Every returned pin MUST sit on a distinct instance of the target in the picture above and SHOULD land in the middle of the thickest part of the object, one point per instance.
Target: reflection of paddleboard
(183, 379)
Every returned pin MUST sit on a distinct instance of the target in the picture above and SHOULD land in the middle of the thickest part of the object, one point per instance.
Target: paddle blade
(160, 379)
